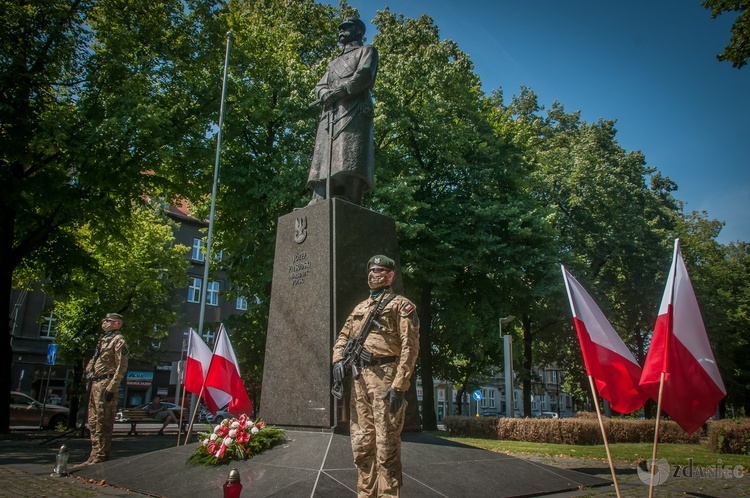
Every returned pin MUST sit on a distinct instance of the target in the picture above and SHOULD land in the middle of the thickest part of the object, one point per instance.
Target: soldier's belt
(383, 360)
(100, 377)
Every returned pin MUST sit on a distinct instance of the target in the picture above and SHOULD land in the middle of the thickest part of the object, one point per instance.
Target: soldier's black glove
(395, 399)
(338, 371)
(108, 396)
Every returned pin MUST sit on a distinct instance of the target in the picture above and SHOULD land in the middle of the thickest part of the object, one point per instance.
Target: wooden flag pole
(604, 435)
(182, 401)
(656, 436)
(192, 416)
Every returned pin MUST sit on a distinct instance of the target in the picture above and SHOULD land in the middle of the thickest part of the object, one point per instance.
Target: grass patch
(621, 452)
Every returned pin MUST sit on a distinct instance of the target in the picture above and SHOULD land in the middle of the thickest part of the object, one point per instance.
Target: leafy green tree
(134, 272)
(738, 50)
(719, 276)
(101, 103)
(279, 51)
(451, 183)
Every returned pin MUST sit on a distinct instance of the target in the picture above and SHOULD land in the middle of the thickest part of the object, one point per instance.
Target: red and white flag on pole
(608, 360)
(196, 367)
(224, 375)
(680, 348)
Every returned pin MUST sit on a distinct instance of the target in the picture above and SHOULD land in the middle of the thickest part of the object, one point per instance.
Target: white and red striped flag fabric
(608, 360)
(680, 348)
(196, 367)
(224, 375)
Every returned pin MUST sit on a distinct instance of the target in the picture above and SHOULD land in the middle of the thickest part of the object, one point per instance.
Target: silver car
(25, 411)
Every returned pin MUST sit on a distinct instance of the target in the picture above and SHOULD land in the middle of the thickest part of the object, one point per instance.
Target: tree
(280, 50)
(452, 184)
(738, 50)
(101, 103)
(134, 272)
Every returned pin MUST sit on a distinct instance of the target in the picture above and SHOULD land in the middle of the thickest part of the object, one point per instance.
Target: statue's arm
(364, 77)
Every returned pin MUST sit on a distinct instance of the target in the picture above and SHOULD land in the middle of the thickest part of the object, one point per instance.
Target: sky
(649, 65)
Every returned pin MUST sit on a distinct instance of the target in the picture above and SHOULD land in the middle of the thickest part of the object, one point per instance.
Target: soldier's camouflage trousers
(101, 421)
(376, 434)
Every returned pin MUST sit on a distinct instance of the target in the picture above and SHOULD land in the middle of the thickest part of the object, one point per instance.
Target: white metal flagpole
(204, 284)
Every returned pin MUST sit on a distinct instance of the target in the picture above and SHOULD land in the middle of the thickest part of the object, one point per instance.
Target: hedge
(730, 436)
(578, 431)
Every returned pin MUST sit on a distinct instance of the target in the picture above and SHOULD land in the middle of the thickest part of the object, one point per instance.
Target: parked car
(26, 411)
(221, 415)
(549, 415)
(489, 414)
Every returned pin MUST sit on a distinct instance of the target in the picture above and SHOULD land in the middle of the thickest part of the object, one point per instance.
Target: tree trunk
(429, 419)
(527, 365)
(6, 351)
(79, 397)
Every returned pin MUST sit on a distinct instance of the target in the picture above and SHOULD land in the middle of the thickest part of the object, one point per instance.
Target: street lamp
(508, 350)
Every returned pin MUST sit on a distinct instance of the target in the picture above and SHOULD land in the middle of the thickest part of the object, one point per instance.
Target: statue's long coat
(353, 148)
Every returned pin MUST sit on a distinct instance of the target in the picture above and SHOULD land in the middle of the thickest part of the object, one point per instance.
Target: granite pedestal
(319, 276)
(319, 464)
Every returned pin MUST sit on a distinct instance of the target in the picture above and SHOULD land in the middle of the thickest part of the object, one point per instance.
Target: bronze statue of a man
(344, 142)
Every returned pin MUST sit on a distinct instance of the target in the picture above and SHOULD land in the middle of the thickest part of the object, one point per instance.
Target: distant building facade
(34, 329)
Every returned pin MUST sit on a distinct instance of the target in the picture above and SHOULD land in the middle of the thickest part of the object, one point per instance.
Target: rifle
(355, 354)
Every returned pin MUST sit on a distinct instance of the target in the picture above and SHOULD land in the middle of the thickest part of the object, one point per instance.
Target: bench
(135, 416)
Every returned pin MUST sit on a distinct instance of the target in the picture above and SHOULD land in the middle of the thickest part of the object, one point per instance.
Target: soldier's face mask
(378, 276)
(111, 324)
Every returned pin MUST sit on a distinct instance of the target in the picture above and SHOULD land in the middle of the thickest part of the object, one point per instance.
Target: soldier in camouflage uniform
(105, 371)
(378, 406)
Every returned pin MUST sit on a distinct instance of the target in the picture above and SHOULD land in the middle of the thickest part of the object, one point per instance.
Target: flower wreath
(235, 439)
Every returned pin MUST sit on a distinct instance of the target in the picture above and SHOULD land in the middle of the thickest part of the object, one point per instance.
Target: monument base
(320, 274)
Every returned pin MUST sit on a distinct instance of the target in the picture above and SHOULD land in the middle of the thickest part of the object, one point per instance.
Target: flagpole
(656, 436)
(604, 435)
(182, 396)
(209, 241)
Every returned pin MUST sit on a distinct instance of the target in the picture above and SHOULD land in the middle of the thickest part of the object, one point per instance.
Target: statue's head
(351, 29)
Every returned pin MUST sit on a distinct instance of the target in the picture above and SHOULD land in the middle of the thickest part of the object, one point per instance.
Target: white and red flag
(680, 349)
(196, 367)
(224, 375)
(608, 360)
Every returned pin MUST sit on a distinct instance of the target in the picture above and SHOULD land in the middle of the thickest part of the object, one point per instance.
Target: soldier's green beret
(380, 260)
(115, 315)
(353, 20)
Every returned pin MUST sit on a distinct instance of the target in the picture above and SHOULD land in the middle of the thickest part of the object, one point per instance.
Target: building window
(209, 337)
(194, 291)
(49, 327)
(241, 303)
(483, 403)
(218, 256)
(212, 294)
(197, 253)
(492, 398)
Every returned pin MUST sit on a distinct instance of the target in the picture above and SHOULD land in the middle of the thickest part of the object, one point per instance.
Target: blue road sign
(51, 354)
(477, 395)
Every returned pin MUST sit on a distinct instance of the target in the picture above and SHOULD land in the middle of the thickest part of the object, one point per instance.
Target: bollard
(61, 463)
(233, 486)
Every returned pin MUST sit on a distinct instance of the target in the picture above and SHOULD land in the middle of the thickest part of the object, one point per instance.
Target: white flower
(229, 440)
(232, 433)
(234, 424)
(205, 442)
(254, 430)
(250, 424)
(213, 437)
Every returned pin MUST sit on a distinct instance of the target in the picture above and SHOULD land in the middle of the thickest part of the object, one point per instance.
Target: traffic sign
(477, 395)
(51, 354)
